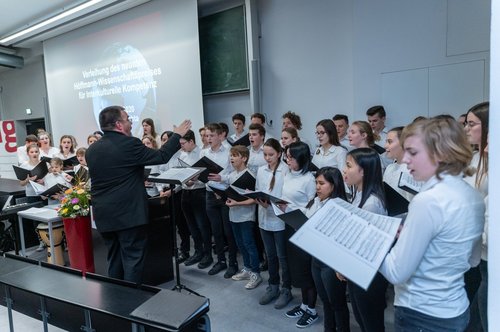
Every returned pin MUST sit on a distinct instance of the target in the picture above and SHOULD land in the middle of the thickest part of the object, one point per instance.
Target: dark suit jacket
(116, 165)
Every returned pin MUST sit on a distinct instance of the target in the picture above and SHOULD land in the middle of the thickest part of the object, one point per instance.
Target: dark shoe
(205, 262)
(231, 271)
(272, 293)
(183, 256)
(196, 258)
(295, 312)
(283, 299)
(219, 266)
(307, 319)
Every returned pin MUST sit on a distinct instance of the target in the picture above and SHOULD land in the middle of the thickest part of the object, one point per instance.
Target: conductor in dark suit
(119, 200)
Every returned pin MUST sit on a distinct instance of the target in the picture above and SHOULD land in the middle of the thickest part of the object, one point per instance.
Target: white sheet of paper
(350, 240)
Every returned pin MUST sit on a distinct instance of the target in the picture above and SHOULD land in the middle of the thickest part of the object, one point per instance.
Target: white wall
(404, 36)
(306, 60)
(323, 57)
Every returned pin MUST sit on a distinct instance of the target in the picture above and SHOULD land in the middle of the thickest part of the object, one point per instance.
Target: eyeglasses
(471, 124)
(320, 133)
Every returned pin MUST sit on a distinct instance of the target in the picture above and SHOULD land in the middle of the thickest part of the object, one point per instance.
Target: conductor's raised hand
(183, 128)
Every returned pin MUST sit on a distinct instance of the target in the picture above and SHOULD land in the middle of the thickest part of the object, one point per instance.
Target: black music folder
(262, 196)
(245, 181)
(226, 192)
(172, 309)
(70, 162)
(243, 140)
(313, 167)
(55, 189)
(378, 148)
(40, 171)
(211, 167)
(294, 219)
(396, 203)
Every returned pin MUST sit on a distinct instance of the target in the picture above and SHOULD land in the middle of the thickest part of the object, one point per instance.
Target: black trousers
(194, 209)
(126, 253)
(368, 306)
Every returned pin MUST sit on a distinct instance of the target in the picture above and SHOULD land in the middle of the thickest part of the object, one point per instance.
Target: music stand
(173, 177)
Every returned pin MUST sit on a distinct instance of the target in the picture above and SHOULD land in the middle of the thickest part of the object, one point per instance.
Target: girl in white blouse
(330, 152)
(364, 172)
(66, 149)
(299, 189)
(476, 129)
(33, 152)
(46, 150)
(443, 226)
(332, 291)
(270, 179)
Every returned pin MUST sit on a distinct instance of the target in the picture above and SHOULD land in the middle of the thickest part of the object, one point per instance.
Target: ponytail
(275, 145)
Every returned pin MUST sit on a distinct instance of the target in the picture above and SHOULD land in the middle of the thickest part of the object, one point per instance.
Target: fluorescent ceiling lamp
(50, 20)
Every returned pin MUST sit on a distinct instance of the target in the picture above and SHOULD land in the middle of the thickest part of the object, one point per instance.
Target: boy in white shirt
(242, 217)
(257, 133)
(217, 211)
(239, 127)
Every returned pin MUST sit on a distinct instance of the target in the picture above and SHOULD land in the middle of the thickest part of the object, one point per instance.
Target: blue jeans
(275, 246)
(408, 320)
(243, 235)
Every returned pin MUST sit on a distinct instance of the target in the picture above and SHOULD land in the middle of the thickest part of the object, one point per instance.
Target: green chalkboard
(223, 51)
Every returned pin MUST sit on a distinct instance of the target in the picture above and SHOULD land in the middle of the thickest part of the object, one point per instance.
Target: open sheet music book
(408, 183)
(208, 165)
(350, 240)
(243, 140)
(176, 175)
(41, 190)
(40, 171)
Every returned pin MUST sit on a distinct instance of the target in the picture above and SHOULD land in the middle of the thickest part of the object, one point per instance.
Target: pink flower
(74, 200)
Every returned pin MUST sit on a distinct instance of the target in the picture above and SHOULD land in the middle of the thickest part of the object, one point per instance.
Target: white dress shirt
(428, 262)
(334, 157)
(240, 213)
(267, 219)
(256, 159)
(298, 190)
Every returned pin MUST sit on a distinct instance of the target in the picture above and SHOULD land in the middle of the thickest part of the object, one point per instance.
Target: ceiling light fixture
(50, 20)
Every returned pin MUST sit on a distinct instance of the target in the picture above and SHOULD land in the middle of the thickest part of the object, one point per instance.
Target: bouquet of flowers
(75, 202)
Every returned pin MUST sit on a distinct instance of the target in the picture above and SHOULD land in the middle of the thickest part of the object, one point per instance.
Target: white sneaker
(244, 274)
(255, 280)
